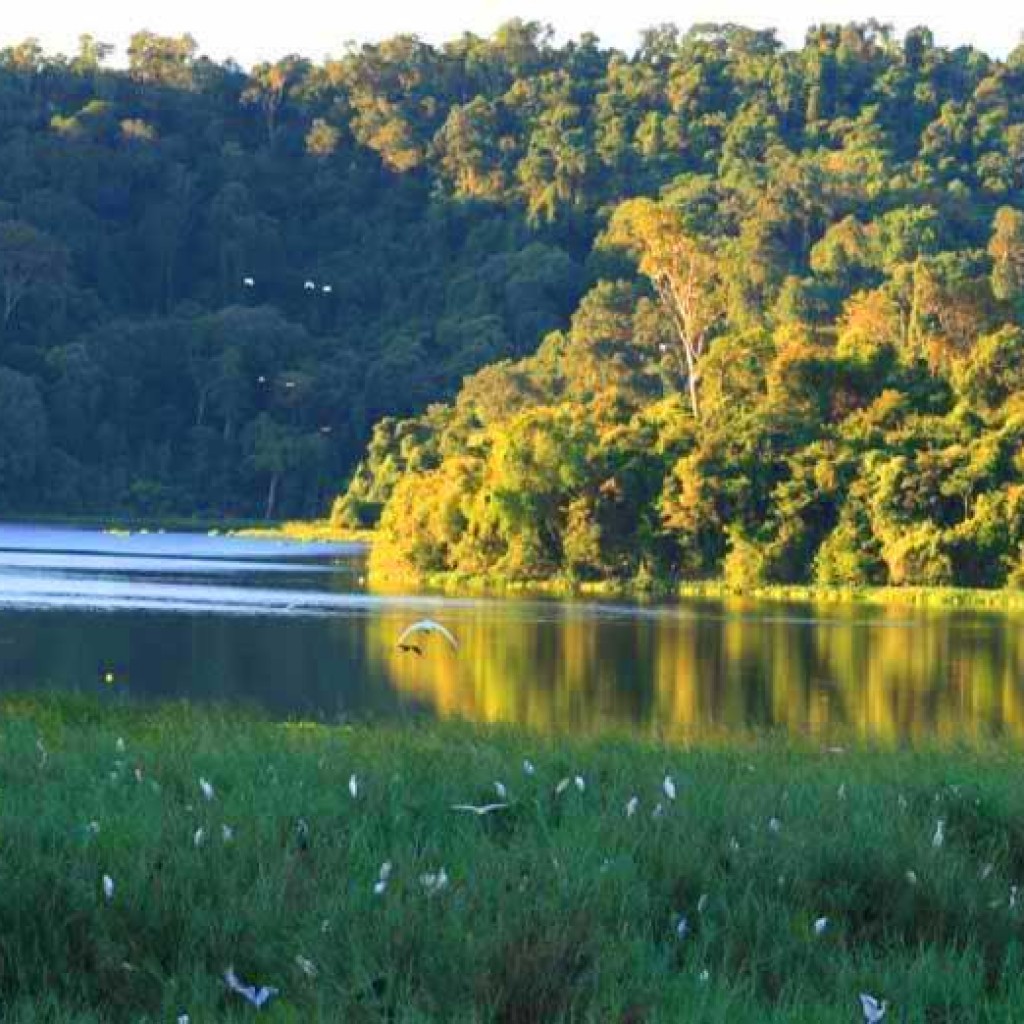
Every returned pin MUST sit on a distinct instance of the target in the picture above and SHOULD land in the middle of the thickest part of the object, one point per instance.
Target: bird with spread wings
(425, 626)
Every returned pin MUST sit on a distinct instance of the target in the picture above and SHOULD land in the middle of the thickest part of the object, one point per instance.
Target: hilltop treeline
(799, 355)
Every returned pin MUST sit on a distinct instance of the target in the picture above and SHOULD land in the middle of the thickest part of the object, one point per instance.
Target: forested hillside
(800, 354)
(735, 308)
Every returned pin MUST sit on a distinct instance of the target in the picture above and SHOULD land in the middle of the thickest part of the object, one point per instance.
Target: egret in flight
(424, 626)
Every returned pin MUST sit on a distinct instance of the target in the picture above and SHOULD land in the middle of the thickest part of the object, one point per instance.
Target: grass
(559, 908)
(317, 531)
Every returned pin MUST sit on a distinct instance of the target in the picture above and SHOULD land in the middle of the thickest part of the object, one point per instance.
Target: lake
(293, 629)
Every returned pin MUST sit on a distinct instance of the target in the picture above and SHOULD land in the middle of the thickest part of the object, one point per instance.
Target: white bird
(479, 811)
(327, 289)
(911, 877)
(380, 887)
(704, 976)
(631, 805)
(874, 1010)
(435, 881)
(310, 286)
(986, 870)
(258, 997)
(353, 786)
(425, 626)
(120, 745)
(669, 787)
(563, 785)
(841, 792)
(198, 836)
(775, 825)
(658, 810)
(206, 788)
(93, 828)
(820, 925)
(183, 1018)
(940, 833)
(248, 282)
(227, 833)
(702, 903)
(580, 784)
(385, 870)
(108, 887)
(682, 927)
(499, 788)
(528, 767)
(306, 965)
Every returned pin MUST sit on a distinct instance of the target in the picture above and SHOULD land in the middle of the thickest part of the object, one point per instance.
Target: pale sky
(264, 30)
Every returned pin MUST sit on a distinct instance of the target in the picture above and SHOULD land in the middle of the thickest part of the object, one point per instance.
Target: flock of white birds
(434, 882)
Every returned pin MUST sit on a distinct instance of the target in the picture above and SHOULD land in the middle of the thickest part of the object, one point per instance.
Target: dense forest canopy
(713, 306)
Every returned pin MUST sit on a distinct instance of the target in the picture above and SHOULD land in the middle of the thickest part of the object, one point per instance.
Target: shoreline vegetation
(147, 849)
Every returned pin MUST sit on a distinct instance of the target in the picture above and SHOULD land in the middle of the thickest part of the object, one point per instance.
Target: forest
(534, 310)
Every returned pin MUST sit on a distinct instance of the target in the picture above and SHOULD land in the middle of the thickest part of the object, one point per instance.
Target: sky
(262, 30)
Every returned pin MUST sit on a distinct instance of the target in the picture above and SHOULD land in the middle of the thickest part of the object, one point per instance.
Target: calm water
(292, 628)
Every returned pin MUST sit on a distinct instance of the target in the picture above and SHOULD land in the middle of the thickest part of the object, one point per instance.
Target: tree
(1006, 248)
(29, 259)
(684, 271)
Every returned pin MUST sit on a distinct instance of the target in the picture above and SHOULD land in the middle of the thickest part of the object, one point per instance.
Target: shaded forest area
(713, 307)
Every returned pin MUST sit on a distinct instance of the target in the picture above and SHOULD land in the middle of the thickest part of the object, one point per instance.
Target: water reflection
(711, 668)
(293, 629)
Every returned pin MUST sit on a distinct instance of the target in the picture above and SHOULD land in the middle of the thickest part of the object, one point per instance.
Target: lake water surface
(293, 628)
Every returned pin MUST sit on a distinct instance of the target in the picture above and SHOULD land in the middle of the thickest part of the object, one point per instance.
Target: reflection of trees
(867, 671)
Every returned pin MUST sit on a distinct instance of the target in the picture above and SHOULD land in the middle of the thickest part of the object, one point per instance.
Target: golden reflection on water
(711, 668)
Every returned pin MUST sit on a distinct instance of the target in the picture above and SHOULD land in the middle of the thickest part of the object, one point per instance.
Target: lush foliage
(560, 907)
(799, 357)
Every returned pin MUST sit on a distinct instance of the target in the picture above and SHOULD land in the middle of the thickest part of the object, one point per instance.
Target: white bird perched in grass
(563, 785)
(499, 788)
(108, 887)
(119, 745)
(658, 811)
(258, 997)
(631, 805)
(198, 836)
(939, 836)
(227, 833)
(435, 881)
(669, 787)
(479, 811)
(183, 1018)
(682, 927)
(874, 1010)
(774, 825)
(353, 786)
(206, 788)
(306, 965)
(426, 626)
(820, 925)
(580, 784)
(382, 879)
(528, 767)
(911, 877)
(702, 903)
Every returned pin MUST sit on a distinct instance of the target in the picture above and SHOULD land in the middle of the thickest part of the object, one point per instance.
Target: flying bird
(479, 811)
(874, 1010)
(248, 282)
(309, 286)
(425, 626)
(258, 997)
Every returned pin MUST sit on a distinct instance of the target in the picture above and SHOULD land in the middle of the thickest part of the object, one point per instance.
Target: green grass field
(559, 907)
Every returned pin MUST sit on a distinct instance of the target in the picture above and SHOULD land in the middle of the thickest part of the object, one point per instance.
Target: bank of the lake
(560, 906)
